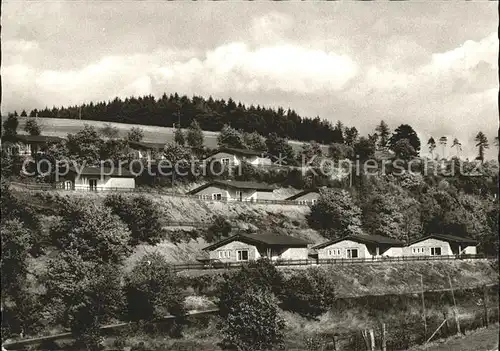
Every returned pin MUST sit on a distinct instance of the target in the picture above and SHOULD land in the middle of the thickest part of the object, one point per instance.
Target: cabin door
(93, 184)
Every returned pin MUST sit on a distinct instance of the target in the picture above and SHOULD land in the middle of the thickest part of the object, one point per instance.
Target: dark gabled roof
(364, 239)
(262, 239)
(302, 193)
(234, 184)
(146, 146)
(36, 138)
(98, 171)
(446, 237)
(240, 152)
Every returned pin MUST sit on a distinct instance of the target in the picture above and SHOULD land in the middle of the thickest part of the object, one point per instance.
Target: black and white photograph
(249, 175)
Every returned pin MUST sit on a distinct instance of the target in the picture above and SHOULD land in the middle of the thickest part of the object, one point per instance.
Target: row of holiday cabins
(248, 247)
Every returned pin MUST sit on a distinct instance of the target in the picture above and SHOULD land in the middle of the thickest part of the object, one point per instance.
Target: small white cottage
(306, 197)
(234, 157)
(441, 245)
(360, 246)
(249, 247)
(98, 179)
(232, 190)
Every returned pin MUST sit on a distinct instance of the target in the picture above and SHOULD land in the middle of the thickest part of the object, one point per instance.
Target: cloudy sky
(430, 64)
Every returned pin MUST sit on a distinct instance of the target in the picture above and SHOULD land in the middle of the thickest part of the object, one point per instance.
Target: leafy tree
(220, 228)
(350, 136)
(404, 150)
(7, 164)
(255, 141)
(405, 131)
(195, 135)
(383, 133)
(279, 148)
(141, 216)
(340, 151)
(178, 156)
(84, 295)
(382, 216)
(93, 231)
(457, 144)
(108, 131)
(482, 144)
(364, 148)
(254, 323)
(152, 290)
(32, 127)
(179, 137)
(10, 125)
(114, 150)
(230, 137)
(432, 146)
(85, 145)
(443, 141)
(135, 134)
(311, 154)
(17, 242)
(309, 292)
(335, 215)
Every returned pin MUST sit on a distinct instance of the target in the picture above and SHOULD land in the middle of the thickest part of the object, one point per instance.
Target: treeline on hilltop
(211, 114)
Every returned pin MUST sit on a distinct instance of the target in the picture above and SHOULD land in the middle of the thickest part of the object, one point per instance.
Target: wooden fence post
(423, 306)
(485, 305)
(372, 340)
(455, 312)
(384, 338)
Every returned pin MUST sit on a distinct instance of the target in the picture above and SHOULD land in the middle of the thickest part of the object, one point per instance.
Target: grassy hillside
(61, 127)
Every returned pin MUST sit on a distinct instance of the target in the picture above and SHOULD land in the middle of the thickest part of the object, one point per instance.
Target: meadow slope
(61, 127)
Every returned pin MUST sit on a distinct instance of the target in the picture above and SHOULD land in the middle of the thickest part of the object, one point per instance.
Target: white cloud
(270, 28)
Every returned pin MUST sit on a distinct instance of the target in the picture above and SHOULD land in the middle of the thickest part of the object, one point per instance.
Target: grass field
(479, 340)
(61, 127)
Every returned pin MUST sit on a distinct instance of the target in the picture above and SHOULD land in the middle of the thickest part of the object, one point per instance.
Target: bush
(218, 230)
(309, 293)
(253, 323)
(153, 290)
(92, 230)
(141, 216)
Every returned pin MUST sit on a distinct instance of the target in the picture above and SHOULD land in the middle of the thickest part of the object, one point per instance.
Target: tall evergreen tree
(179, 136)
(405, 131)
(383, 133)
(482, 145)
(195, 135)
(432, 145)
(443, 141)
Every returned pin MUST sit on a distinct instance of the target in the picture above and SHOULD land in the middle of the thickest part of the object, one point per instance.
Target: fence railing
(60, 187)
(216, 264)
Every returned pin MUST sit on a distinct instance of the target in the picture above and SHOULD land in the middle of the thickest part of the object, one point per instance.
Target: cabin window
(417, 250)
(242, 255)
(93, 184)
(224, 161)
(225, 254)
(217, 196)
(334, 252)
(435, 251)
(352, 253)
(313, 201)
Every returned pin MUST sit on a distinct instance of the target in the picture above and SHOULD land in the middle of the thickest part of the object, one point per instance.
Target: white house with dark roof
(306, 197)
(441, 245)
(98, 179)
(250, 247)
(360, 246)
(27, 145)
(234, 157)
(146, 150)
(232, 190)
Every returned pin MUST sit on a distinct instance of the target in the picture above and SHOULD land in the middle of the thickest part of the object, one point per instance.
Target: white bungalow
(360, 246)
(306, 197)
(441, 245)
(98, 179)
(234, 157)
(249, 247)
(231, 190)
